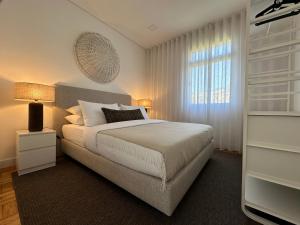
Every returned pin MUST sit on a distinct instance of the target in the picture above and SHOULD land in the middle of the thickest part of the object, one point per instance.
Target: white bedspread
(91, 132)
(143, 158)
(133, 156)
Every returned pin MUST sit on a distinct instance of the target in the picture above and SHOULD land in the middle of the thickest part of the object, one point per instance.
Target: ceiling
(150, 22)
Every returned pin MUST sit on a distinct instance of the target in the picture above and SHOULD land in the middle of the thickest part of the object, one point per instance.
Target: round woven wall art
(97, 58)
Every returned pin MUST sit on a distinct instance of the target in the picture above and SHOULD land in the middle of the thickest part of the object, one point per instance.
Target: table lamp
(147, 103)
(36, 93)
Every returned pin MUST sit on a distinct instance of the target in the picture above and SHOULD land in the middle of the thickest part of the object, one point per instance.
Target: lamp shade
(147, 103)
(36, 92)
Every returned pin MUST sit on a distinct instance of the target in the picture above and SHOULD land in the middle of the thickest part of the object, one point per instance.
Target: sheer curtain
(198, 77)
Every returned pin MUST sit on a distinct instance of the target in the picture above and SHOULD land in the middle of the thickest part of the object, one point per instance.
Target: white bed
(74, 133)
(136, 167)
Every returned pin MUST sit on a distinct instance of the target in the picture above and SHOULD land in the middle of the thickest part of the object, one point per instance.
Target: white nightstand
(35, 150)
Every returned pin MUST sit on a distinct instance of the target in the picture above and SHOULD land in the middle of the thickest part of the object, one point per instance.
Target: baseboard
(7, 162)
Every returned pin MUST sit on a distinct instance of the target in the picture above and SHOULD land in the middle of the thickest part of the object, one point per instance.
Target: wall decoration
(97, 58)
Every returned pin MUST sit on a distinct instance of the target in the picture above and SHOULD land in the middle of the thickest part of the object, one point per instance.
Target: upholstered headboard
(66, 96)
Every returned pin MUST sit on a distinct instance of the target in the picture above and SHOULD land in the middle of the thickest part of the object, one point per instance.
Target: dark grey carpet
(71, 194)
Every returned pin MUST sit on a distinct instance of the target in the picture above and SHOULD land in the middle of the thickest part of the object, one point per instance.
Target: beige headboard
(66, 96)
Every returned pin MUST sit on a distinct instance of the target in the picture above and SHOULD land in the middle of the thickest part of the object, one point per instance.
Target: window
(210, 71)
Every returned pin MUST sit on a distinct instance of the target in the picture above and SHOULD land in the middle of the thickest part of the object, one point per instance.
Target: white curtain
(198, 77)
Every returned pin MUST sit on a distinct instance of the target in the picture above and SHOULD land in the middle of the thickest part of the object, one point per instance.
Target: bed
(130, 155)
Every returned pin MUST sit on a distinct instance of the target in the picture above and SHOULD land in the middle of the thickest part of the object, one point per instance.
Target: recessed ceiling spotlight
(152, 27)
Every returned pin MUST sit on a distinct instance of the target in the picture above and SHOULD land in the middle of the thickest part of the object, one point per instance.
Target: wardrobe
(271, 147)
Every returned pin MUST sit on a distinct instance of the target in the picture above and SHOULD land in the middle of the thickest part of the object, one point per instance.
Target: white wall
(36, 45)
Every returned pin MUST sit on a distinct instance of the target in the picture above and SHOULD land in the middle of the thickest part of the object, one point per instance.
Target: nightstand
(35, 150)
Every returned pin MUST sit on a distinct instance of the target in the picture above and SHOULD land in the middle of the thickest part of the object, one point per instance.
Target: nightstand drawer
(37, 157)
(27, 142)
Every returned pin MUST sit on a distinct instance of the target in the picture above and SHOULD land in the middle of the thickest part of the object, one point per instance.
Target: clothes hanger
(276, 6)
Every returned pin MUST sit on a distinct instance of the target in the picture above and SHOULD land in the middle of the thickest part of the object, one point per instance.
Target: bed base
(143, 186)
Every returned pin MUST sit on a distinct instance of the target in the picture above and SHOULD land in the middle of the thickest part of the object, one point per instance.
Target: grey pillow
(112, 115)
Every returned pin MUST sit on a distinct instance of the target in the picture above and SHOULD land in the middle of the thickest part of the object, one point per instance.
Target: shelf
(272, 94)
(274, 80)
(274, 34)
(276, 200)
(273, 55)
(272, 113)
(275, 180)
(277, 147)
(264, 49)
(268, 99)
(264, 75)
(267, 72)
(269, 85)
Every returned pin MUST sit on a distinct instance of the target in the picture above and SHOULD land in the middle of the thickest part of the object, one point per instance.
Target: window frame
(209, 60)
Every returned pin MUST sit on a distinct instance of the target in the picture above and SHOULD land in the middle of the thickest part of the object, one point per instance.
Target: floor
(8, 205)
(213, 199)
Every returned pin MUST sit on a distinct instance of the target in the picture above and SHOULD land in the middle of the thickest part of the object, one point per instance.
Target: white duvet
(138, 157)
(91, 132)
(133, 156)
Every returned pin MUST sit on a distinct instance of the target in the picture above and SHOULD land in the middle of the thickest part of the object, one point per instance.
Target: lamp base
(35, 117)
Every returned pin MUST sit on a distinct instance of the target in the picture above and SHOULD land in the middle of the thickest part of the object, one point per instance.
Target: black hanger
(276, 6)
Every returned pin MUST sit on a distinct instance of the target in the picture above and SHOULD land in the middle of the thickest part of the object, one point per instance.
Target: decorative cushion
(75, 110)
(113, 116)
(92, 113)
(75, 119)
(130, 107)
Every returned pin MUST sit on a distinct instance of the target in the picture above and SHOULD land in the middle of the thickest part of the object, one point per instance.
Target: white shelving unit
(271, 149)
(281, 200)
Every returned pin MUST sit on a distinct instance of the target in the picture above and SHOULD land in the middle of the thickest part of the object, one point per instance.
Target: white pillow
(75, 119)
(92, 112)
(75, 110)
(131, 107)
